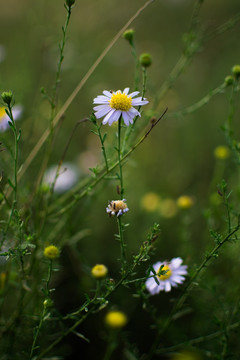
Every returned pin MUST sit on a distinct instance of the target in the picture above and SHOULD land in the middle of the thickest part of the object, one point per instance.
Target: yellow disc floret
(51, 252)
(116, 319)
(120, 101)
(167, 274)
(99, 271)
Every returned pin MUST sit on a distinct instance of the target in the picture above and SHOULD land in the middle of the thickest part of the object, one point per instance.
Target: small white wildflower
(66, 179)
(117, 103)
(4, 119)
(117, 207)
(172, 277)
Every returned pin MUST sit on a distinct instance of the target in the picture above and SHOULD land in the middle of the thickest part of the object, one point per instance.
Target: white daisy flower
(117, 207)
(172, 277)
(66, 179)
(4, 119)
(115, 104)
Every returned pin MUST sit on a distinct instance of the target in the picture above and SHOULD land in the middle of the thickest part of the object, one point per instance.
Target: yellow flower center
(2, 113)
(121, 102)
(168, 273)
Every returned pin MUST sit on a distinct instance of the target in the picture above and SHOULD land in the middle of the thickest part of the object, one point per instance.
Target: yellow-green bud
(70, 2)
(47, 303)
(51, 252)
(228, 80)
(236, 70)
(7, 97)
(128, 35)
(145, 60)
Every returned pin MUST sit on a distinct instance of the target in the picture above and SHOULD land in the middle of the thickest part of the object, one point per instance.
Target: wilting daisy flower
(117, 103)
(4, 119)
(117, 207)
(66, 179)
(172, 277)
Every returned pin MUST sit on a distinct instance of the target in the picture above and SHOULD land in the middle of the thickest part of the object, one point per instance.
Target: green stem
(15, 182)
(200, 103)
(122, 245)
(49, 277)
(134, 53)
(119, 158)
(102, 144)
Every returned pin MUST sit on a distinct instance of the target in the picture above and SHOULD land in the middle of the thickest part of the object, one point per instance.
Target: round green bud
(228, 80)
(70, 2)
(145, 60)
(128, 35)
(7, 97)
(236, 70)
(47, 303)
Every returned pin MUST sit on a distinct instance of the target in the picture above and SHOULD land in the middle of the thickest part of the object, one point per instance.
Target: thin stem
(53, 99)
(14, 186)
(134, 53)
(119, 158)
(122, 245)
(200, 103)
(102, 138)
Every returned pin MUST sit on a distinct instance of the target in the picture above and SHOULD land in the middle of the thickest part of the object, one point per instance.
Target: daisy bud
(128, 35)
(51, 252)
(228, 80)
(69, 3)
(145, 60)
(236, 71)
(116, 319)
(7, 97)
(99, 271)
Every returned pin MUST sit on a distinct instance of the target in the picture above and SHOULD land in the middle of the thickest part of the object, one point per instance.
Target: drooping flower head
(4, 119)
(172, 277)
(117, 207)
(114, 104)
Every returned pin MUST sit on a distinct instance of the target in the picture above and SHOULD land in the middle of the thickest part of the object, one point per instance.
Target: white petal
(177, 278)
(126, 118)
(167, 286)
(176, 262)
(139, 101)
(107, 117)
(157, 266)
(135, 93)
(99, 107)
(107, 93)
(125, 91)
(101, 100)
(102, 112)
(134, 112)
(116, 115)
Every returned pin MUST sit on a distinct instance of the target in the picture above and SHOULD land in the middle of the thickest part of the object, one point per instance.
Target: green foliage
(48, 303)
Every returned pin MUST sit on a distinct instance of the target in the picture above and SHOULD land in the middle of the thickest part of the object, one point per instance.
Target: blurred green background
(177, 158)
